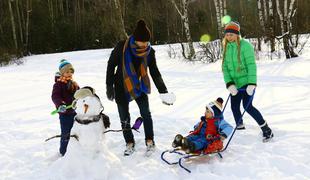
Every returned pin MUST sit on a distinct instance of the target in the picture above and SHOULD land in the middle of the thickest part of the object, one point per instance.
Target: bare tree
(13, 25)
(51, 12)
(211, 51)
(61, 7)
(285, 17)
(19, 22)
(261, 22)
(28, 11)
(271, 26)
(119, 20)
(220, 9)
(183, 12)
(266, 21)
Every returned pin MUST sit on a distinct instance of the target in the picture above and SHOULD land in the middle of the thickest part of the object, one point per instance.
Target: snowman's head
(87, 104)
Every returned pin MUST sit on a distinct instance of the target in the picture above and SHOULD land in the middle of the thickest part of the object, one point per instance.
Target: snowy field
(282, 96)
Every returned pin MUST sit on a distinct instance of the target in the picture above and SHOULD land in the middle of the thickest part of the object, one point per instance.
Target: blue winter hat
(64, 66)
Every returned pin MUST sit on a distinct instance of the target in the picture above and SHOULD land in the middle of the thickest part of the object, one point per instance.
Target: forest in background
(47, 26)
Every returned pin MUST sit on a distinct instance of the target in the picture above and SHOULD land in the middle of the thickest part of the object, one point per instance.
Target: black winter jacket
(116, 78)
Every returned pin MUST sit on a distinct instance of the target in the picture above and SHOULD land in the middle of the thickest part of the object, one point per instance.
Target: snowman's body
(88, 125)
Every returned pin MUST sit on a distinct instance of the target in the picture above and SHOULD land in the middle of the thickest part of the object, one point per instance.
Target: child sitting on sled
(208, 134)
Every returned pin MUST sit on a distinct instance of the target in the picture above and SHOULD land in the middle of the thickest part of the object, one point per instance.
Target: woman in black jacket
(131, 82)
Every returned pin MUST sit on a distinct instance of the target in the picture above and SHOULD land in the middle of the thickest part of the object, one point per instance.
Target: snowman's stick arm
(57, 136)
(120, 130)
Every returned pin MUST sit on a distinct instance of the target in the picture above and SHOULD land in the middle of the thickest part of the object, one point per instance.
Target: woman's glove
(233, 90)
(110, 93)
(167, 98)
(250, 89)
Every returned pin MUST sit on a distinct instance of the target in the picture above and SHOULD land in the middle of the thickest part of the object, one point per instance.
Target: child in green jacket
(239, 70)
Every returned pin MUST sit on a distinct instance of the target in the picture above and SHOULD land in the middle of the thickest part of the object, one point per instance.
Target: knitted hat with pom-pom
(232, 27)
(216, 107)
(142, 32)
(65, 66)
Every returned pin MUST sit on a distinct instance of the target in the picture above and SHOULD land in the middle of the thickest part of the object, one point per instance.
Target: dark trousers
(123, 110)
(66, 123)
(235, 107)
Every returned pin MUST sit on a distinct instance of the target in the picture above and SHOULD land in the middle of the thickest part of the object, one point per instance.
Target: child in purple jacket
(62, 96)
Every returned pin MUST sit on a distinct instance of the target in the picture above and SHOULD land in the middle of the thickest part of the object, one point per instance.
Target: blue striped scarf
(135, 82)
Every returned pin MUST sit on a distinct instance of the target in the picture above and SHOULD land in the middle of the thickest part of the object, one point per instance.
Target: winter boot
(177, 141)
(240, 127)
(188, 146)
(130, 148)
(150, 147)
(267, 133)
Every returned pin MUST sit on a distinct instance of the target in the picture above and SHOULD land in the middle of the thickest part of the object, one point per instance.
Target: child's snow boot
(188, 146)
(177, 141)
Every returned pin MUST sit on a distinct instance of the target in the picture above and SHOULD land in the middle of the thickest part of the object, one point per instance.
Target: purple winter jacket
(61, 95)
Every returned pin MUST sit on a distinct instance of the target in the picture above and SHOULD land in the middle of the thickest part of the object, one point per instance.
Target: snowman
(90, 123)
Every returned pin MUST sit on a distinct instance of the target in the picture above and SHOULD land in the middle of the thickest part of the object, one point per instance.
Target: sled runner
(216, 148)
(184, 156)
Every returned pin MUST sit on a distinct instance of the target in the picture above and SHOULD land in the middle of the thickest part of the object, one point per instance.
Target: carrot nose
(85, 108)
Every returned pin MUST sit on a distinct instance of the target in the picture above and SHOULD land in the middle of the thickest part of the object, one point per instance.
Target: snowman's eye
(83, 101)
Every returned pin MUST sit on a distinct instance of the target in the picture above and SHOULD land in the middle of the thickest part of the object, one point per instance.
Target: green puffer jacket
(247, 73)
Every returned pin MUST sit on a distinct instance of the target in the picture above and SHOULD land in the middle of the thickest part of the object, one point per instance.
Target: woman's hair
(224, 42)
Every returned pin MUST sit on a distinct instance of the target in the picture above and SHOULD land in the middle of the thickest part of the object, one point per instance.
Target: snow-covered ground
(282, 96)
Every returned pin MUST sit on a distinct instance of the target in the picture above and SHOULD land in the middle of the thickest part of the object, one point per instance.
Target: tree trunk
(259, 44)
(19, 23)
(167, 24)
(61, 8)
(22, 14)
(286, 28)
(187, 30)
(224, 8)
(13, 25)
(261, 21)
(56, 8)
(220, 3)
(1, 30)
(119, 20)
(29, 10)
(265, 11)
(185, 22)
(218, 19)
(271, 26)
(67, 8)
(51, 12)
(210, 10)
